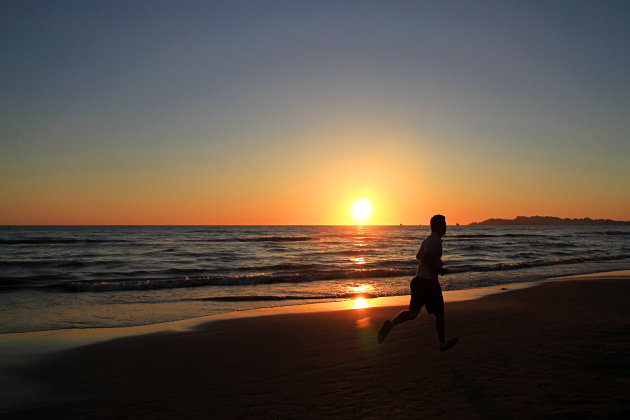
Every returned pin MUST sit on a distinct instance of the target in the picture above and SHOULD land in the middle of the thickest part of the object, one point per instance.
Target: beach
(212, 209)
(559, 349)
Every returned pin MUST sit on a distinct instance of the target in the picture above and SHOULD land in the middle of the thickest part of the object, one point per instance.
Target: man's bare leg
(405, 316)
(440, 328)
(401, 317)
(441, 332)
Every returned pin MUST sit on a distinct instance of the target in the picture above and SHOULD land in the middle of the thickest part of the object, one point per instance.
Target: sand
(561, 349)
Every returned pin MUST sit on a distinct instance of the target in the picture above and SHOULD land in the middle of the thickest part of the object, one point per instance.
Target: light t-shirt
(433, 245)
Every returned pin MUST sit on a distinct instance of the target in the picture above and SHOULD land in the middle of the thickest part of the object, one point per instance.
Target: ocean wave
(403, 264)
(465, 236)
(290, 266)
(264, 268)
(276, 239)
(62, 241)
(248, 298)
(201, 281)
(41, 263)
(58, 241)
(347, 252)
(302, 276)
(33, 281)
(525, 255)
(537, 263)
(470, 236)
(259, 239)
(563, 245)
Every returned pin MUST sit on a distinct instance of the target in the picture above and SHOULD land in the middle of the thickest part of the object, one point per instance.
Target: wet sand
(561, 349)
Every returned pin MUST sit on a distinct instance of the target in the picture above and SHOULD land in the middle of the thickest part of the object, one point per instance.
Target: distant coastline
(548, 220)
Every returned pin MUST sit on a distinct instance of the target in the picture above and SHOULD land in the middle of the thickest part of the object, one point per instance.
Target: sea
(70, 277)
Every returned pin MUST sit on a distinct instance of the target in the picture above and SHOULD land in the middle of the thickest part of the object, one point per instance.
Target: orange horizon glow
(397, 193)
(322, 187)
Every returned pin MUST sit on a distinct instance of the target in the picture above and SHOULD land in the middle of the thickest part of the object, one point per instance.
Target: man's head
(438, 224)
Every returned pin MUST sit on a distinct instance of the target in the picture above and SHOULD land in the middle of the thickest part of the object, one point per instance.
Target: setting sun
(361, 210)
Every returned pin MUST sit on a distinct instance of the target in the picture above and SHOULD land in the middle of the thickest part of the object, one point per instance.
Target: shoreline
(558, 349)
(23, 347)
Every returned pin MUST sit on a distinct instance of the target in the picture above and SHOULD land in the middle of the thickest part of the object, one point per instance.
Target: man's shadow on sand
(483, 405)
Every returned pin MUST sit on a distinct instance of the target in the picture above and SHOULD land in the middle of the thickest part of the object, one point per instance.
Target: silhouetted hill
(547, 220)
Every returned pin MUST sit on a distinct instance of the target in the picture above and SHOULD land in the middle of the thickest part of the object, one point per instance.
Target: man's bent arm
(433, 263)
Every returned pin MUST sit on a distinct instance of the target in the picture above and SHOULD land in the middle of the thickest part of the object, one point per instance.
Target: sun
(361, 210)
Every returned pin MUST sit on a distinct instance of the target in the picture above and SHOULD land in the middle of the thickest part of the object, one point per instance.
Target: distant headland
(547, 220)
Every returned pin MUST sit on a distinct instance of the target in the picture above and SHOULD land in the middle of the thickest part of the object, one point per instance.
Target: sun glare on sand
(360, 303)
(361, 210)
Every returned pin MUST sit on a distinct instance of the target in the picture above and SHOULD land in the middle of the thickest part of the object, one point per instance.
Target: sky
(287, 112)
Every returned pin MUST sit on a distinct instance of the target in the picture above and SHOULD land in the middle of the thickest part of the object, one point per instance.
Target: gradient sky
(285, 112)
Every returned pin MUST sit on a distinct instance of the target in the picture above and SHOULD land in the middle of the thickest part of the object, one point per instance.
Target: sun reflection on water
(361, 288)
(358, 260)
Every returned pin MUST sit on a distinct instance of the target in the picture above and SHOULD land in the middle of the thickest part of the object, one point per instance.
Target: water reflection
(360, 288)
(360, 239)
(358, 260)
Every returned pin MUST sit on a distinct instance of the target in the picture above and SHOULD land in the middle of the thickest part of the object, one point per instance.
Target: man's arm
(433, 263)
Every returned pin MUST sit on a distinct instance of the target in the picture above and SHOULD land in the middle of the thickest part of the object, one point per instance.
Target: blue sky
(214, 103)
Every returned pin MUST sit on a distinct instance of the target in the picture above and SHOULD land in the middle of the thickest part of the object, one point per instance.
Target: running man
(425, 288)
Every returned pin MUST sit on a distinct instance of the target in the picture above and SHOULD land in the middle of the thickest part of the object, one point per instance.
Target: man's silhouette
(425, 288)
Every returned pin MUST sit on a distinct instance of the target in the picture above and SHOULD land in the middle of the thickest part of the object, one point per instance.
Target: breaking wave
(303, 276)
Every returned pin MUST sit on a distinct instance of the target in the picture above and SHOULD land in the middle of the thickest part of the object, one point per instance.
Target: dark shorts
(426, 292)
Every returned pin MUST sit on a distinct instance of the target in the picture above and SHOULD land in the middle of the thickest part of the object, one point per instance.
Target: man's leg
(406, 316)
(439, 327)
(401, 317)
(441, 332)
